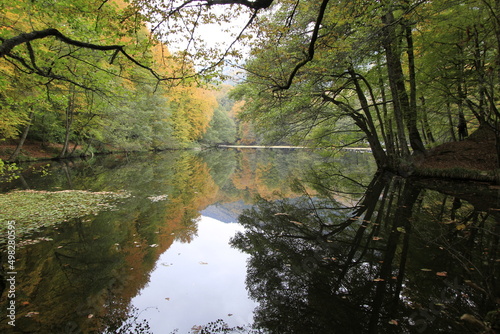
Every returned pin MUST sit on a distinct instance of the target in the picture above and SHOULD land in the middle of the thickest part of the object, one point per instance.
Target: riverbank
(474, 158)
(33, 150)
(37, 151)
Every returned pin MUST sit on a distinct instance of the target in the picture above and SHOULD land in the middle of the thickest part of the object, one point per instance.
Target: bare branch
(310, 51)
(257, 4)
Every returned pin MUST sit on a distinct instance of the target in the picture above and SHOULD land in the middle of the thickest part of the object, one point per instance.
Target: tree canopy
(396, 75)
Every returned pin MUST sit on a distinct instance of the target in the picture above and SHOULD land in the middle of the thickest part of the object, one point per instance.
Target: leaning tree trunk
(16, 152)
(370, 128)
(402, 107)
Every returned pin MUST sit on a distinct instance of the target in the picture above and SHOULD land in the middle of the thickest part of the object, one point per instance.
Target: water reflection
(405, 259)
(82, 275)
(194, 284)
(330, 248)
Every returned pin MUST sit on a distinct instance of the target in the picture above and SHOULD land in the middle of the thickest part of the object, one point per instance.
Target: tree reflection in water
(404, 259)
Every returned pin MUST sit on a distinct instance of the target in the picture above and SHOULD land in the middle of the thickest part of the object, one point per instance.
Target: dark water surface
(258, 241)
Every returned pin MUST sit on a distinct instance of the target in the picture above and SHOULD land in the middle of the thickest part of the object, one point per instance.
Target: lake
(255, 241)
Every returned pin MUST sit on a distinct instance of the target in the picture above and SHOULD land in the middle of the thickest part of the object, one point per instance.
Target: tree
(314, 64)
(320, 62)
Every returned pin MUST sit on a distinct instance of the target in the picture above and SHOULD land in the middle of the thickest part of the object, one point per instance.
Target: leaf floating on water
(158, 198)
(281, 214)
(230, 315)
(401, 229)
(30, 314)
(393, 322)
(442, 273)
(377, 238)
(425, 269)
(90, 316)
(167, 298)
(295, 222)
(379, 280)
(460, 227)
(201, 262)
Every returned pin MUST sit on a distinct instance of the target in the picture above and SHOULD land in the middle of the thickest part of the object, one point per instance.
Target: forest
(398, 76)
(339, 237)
(78, 100)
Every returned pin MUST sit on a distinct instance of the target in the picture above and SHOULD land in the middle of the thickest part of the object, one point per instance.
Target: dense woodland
(399, 76)
(402, 76)
(89, 100)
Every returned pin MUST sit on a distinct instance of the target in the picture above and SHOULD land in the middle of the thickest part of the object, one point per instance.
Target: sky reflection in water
(198, 282)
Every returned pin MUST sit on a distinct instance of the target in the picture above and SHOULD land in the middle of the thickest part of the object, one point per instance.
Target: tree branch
(310, 52)
(257, 4)
(24, 38)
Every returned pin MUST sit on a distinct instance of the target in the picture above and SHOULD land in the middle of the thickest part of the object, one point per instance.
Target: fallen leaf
(376, 238)
(393, 322)
(442, 273)
(379, 280)
(425, 269)
(30, 314)
(90, 316)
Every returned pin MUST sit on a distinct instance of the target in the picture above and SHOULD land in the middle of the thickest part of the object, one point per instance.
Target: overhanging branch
(257, 4)
(25, 38)
(310, 51)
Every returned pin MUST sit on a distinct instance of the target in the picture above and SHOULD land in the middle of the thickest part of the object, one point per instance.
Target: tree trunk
(402, 107)
(389, 138)
(68, 121)
(16, 152)
(425, 122)
(450, 121)
(371, 131)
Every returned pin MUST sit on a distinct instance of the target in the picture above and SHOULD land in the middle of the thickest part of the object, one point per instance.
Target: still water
(257, 241)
